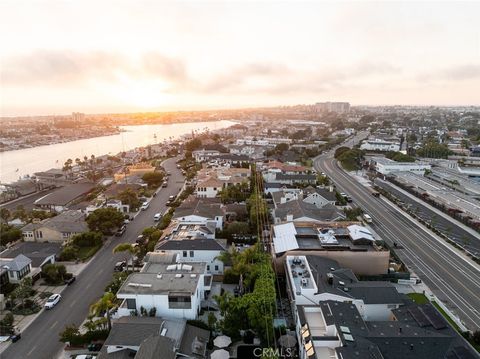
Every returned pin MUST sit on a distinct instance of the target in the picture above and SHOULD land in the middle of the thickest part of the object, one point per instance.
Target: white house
(195, 250)
(200, 211)
(380, 145)
(312, 279)
(174, 290)
(15, 268)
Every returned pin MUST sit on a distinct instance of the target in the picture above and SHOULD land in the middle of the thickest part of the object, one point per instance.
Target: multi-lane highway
(452, 278)
(41, 339)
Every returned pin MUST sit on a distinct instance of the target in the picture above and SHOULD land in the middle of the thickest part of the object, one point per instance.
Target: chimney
(330, 188)
(283, 200)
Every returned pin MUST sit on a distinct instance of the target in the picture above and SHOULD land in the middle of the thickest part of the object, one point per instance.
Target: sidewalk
(21, 322)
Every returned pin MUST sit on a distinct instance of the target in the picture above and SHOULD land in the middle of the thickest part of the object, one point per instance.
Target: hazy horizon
(143, 56)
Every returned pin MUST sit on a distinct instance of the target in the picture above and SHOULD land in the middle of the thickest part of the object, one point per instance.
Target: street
(41, 339)
(452, 278)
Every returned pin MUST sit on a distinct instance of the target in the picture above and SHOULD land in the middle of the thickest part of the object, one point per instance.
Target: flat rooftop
(449, 197)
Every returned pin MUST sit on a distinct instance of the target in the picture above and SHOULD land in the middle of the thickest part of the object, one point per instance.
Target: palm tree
(126, 247)
(105, 304)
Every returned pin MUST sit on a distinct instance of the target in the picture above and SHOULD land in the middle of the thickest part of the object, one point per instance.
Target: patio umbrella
(287, 341)
(220, 354)
(222, 341)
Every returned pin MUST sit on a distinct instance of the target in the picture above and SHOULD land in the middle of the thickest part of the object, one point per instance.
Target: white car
(52, 301)
(145, 206)
(157, 216)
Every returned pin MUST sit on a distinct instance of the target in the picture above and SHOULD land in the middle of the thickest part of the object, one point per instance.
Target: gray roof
(132, 331)
(15, 264)
(194, 342)
(208, 208)
(329, 196)
(299, 208)
(36, 251)
(65, 195)
(159, 280)
(200, 244)
(295, 177)
(371, 292)
(388, 339)
(155, 347)
(68, 221)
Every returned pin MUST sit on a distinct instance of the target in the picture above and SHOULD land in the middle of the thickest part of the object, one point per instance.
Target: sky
(57, 57)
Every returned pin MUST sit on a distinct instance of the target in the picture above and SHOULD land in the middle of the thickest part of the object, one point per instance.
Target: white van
(145, 206)
(367, 218)
(157, 216)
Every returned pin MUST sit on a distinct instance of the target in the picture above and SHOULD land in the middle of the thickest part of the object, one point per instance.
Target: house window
(184, 253)
(131, 304)
(208, 267)
(39, 234)
(191, 253)
(179, 302)
(216, 267)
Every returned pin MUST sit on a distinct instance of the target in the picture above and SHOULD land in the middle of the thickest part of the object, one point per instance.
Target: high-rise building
(338, 107)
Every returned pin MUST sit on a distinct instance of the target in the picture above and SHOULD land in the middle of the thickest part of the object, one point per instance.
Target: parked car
(367, 218)
(121, 230)
(145, 206)
(15, 337)
(157, 216)
(69, 280)
(52, 301)
(140, 239)
(164, 184)
(119, 266)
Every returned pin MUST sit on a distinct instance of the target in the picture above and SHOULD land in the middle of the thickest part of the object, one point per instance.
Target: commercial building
(386, 166)
(377, 144)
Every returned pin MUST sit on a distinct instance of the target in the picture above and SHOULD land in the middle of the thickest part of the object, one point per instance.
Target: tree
(281, 147)
(126, 247)
(4, 214)
(105, 304)
(9, 234)
(129, 197)
(69, 334)
(23, 290)
(193, 144)
(54, 273)
(153, 179)
(87, 239)
(238, 228)
(104, 220)
(339, 151)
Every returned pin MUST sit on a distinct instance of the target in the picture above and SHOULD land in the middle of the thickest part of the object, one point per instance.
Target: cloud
(464, 72)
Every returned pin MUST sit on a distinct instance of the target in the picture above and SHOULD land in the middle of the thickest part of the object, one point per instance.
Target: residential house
(39, 254)
(174, 290)
(54, 177)
(195, 250)
(335, 329)
(195, 210)
(312, 279)
(13, 270)
(153, 338)
(332, 240)
(56, 229)
(212, 180)
(320, 197)
(300, 211)
(60, 199)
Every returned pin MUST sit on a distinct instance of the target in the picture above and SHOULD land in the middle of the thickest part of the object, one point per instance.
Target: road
(452, 278)
(26, 201)
(40, 340)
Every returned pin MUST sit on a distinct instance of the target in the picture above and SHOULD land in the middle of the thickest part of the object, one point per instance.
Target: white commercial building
(380, 145)
(386, 166)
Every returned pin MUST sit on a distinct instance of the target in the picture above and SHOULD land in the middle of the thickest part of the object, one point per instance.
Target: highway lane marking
(73, 303)
(54, 324)
(31, 350)
(421, 237)
(88, 285)
(426, 238)
(435, 276)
